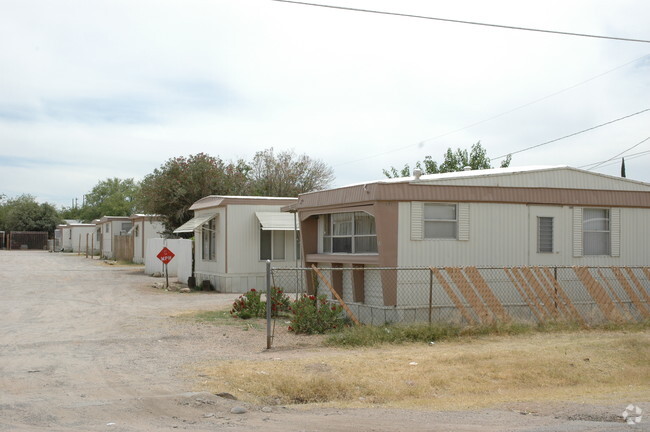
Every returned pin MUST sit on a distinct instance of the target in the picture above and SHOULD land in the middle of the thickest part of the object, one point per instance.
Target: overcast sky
(92, 90)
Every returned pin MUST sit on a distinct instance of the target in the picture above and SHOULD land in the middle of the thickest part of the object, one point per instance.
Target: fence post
(430, 294)
(268, 305)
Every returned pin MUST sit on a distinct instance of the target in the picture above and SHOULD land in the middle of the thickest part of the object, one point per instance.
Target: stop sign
(165, 255)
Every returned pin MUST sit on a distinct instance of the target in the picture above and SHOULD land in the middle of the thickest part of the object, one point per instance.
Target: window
(545, 234)
(272, 245)
(595, 232)
(208, 240)
(108, 227)
(440, 221)
(126, 227)
(137, 230)
(349, 233)
(99, 233)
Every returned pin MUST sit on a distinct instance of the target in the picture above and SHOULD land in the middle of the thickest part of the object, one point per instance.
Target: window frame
(455, 221)
(273, 237)
(587, 232)
(539, 234)
(328, 235)
(208, 232)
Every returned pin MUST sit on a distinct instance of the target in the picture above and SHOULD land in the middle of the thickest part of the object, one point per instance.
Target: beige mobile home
(109, 226)
(531, 216)
(144, 228)
(235, 235)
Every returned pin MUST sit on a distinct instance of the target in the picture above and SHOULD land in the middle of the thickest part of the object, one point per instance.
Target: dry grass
(449, 375)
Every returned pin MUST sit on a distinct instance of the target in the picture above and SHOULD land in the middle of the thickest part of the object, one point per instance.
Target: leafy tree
(286, 174)
(453, 161)
(110, 197)
(171, 189)
(25, 214)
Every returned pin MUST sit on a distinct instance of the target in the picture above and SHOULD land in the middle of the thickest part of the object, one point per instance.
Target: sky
(103, 89)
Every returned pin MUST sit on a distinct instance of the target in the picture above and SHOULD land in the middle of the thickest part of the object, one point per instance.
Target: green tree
(286, 174)
(25, 214)
(110, 197)
(171, 189)
(477, 159)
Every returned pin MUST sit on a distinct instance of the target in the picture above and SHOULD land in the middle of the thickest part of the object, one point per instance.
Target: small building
(144, 227)
(235, 235)
(530, 216)
(109, 226)
(75, 236)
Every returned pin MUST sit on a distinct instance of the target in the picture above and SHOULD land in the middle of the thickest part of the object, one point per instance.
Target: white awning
(193, 224)
(276, 221)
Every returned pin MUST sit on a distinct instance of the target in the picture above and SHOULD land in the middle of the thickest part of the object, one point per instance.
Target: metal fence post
(268, 305)
(430, 294)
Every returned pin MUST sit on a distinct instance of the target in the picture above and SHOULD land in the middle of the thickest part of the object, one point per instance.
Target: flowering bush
(313, 314)
(250, 305)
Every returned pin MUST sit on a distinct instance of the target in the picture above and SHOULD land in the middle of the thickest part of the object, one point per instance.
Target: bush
(250, 305)
(313, 314)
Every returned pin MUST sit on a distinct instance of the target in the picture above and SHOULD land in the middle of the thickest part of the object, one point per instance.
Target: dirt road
(86, 346)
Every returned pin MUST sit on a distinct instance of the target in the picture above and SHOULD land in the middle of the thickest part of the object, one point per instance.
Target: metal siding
(615, 231)
(463, 221)
(244, 240)
(417, 220)
(498, 236)
(577, 232)
(556, 178)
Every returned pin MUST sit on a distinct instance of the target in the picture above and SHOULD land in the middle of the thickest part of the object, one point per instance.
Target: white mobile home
(75, 236)
(109, 226)
(235, 235)
(144, 227)
(531, 216)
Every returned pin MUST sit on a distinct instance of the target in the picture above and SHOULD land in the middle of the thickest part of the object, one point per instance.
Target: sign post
(165, 255)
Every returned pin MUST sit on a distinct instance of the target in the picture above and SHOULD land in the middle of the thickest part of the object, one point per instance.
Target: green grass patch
(360, 336)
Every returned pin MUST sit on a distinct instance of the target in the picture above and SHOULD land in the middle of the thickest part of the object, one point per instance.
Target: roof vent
(417, 173)
(467, 168)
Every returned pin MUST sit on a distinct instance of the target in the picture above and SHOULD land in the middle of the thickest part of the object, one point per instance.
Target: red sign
(165, 255)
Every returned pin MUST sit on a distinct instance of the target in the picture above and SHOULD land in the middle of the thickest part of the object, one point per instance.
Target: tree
(286, 174)
(453, 161)
(25, 214)
(171, 189)
(110, 197)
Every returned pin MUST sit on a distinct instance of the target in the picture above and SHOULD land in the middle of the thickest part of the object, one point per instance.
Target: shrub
(313, 314)
(248, 305)
(280, 302)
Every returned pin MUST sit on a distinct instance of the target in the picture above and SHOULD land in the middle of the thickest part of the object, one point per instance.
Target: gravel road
(86, 346)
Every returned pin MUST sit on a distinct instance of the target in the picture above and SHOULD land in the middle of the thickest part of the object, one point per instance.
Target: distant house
(235, 235)
(530, 216)
(75, 236)
(109, 226)
(144, 227)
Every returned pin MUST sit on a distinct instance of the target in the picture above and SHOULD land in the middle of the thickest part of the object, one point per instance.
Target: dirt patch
(90, 347)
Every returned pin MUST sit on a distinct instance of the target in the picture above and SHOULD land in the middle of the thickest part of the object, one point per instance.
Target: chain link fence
(472, 295)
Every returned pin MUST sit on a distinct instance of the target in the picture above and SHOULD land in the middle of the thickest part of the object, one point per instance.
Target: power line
(464, 22)
(571, 135)
(496, 115)
(613, 162)
(597, 164)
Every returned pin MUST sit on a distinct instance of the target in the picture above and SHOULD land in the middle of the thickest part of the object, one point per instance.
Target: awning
(193, 224)
(276, 221)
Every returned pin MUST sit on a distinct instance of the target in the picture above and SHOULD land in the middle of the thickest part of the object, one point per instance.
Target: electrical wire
(614, 162)
(464, 22)
(598, 164)
(571, 135)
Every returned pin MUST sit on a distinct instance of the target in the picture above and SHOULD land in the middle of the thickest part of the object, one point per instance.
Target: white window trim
(539, 243)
